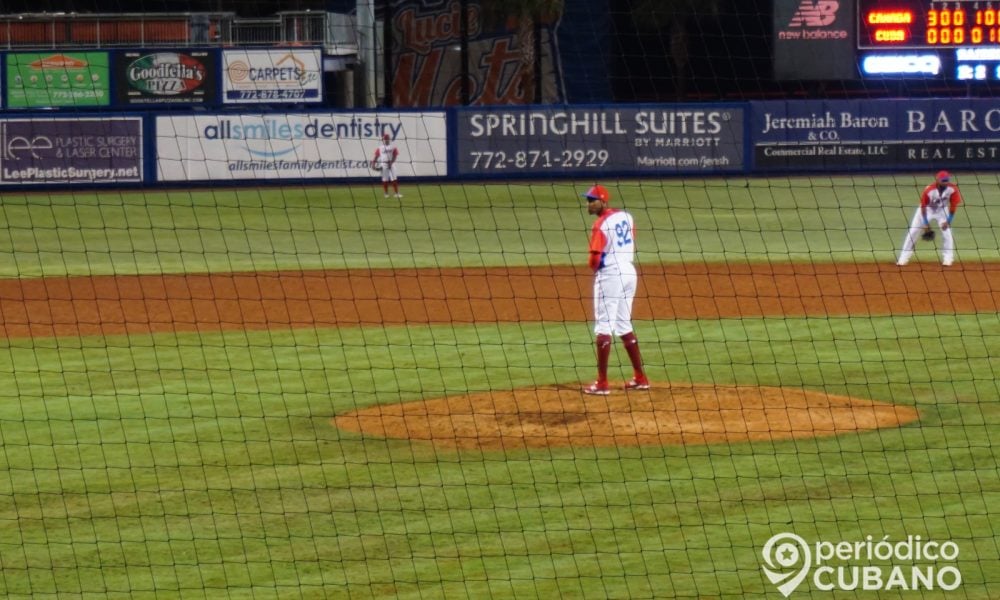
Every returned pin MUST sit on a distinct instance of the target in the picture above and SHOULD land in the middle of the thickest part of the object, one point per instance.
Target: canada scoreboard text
(927, 24)
(957, 40)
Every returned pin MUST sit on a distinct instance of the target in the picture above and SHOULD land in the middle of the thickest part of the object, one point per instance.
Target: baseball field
(316, 392)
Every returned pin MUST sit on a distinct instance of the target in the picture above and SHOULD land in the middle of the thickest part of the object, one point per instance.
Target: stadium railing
(333, 31)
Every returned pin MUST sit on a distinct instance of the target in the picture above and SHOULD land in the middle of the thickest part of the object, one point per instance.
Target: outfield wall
(169, 148)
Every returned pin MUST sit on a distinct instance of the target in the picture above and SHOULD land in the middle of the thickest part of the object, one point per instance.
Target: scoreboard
(925, 24)
(954, 40)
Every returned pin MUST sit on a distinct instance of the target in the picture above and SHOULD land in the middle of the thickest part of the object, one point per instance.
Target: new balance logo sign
(815, 14)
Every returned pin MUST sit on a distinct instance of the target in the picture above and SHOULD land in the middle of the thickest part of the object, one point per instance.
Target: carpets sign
(272, 76)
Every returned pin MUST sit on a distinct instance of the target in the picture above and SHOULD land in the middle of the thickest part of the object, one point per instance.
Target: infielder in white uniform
(385, 162)
(938, 202)
(612, 256)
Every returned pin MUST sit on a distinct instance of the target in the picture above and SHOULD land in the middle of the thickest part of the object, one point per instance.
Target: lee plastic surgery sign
(39, 151)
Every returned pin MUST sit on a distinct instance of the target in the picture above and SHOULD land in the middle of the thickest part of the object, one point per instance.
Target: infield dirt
(670, 413)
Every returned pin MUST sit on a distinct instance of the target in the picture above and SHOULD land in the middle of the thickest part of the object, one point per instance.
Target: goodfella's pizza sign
(166, 77)
(427, 61)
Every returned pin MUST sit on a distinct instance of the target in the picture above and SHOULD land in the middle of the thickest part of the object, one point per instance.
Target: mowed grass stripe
(817, 219)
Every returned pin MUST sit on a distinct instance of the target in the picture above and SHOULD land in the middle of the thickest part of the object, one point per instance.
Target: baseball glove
(927, 235)
(376, 166)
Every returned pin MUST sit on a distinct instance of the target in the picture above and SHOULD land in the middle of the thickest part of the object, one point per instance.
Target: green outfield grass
(205, 465)
(817, 220)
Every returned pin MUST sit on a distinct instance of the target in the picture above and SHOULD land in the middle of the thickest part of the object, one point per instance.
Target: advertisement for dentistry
(275, 146)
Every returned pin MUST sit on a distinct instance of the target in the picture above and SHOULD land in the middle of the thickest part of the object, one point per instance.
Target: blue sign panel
(70, 150)
(873, 134)
(644, 140)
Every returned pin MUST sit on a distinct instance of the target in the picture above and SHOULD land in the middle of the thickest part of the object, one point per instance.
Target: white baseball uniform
(615, 278)
(939, 203)
(385, 156)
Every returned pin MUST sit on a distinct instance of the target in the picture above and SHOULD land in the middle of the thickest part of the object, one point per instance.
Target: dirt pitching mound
(669, 414)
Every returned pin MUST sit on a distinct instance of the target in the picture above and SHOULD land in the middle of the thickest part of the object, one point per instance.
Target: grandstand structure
(335, 32)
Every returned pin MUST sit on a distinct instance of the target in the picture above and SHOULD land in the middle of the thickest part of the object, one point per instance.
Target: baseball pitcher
(612, 254)
(938, 202)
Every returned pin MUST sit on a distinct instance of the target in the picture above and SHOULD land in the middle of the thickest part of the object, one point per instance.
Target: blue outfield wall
(59, 149)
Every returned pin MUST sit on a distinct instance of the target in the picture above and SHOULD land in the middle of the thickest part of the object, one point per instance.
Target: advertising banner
(272, 76)
(66, 150)
(643, 140)
(297, 145)
(814, 40)
(875, 134)
(511, 60)
(165, 77)
(52, 79)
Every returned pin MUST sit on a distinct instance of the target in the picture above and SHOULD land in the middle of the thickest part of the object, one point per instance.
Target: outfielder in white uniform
(385, 162)
(612, 256)
(938, 202)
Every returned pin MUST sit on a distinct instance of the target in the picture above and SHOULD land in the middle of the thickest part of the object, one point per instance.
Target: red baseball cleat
(637, 384)
(598, 388)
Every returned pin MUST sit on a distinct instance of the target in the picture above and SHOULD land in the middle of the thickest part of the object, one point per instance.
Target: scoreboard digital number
(954, 40)
(887, 24)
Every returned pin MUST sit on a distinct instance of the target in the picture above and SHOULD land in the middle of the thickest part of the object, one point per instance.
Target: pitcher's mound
(666, 414)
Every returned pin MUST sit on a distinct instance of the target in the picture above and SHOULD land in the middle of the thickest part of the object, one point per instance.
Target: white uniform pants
(916, 228)
(388, 173)
(614, 292)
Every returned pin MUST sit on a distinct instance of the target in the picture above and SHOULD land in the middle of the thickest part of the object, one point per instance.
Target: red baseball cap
(597, 192)
(386, 136)
(943, 176)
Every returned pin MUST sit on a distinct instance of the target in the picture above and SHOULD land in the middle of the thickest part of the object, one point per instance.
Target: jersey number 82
(624, 234)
